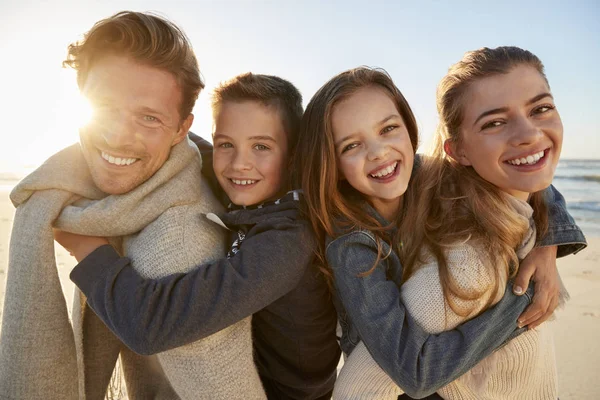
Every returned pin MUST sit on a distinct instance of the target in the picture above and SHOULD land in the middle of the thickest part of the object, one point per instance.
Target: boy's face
(250, 152)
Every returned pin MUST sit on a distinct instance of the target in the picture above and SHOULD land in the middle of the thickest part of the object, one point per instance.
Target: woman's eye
(389, 128)
(491, 124)
(543, 109)
(349, 147)
(260, 147)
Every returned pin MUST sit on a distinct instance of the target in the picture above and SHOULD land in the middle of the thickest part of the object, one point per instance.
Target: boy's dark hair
(272, 91)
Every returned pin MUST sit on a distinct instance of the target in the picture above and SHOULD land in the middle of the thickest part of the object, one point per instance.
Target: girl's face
(511, 133)
(373, 148)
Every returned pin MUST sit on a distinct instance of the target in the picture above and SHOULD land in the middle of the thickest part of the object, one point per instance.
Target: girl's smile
(373, 147)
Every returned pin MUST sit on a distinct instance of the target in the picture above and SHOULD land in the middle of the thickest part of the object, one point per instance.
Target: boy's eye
(260, 147)
(225, 145)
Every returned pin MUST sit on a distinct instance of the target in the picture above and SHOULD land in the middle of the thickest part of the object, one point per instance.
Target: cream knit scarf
(38, 349)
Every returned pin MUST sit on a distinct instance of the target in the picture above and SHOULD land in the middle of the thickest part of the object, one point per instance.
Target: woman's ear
(454, 151)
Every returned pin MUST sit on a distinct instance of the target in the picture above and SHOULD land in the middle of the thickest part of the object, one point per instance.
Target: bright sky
(307, 43)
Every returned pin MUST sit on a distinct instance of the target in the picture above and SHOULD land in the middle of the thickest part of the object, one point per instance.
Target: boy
(268, 271)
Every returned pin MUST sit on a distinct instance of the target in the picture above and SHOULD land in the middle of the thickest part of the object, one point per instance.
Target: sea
(577, 180)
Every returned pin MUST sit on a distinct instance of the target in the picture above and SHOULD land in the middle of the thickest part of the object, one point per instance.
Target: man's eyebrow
(383, 121)
(151, 110)
(505, 109)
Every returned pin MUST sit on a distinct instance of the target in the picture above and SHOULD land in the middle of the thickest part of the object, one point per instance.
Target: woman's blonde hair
(453, 203)
(333, 205)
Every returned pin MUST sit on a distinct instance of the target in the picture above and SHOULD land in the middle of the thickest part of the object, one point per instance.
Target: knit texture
(43, 355)
(525, 368)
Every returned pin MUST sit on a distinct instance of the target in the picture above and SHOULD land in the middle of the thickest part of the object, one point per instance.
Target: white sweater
(525, 368)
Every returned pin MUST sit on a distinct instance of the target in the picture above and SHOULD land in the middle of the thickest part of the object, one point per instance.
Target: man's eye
(150, 118)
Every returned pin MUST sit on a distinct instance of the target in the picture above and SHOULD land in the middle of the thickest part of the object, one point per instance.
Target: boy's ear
(454, 151)
(184, 128)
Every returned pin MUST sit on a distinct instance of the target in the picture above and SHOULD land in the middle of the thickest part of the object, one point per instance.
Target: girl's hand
(539, 265)
(78, 245)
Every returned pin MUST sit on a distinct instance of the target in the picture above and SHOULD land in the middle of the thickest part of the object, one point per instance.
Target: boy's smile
(250, 152)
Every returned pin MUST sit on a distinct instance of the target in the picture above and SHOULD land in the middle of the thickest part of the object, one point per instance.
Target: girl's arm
(562, 229)
(418, 362)
(563, 238)
(154, 315)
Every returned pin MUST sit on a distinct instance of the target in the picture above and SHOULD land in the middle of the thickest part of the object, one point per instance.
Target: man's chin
(112, 186)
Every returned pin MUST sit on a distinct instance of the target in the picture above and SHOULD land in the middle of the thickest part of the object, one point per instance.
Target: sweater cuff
(95, 268)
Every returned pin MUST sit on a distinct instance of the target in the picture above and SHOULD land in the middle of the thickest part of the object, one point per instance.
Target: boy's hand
(78, 245)
(539, 265)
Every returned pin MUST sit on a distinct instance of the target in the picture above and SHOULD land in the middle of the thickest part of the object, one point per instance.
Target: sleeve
(562, 229)
(154, 315)
(418, 362)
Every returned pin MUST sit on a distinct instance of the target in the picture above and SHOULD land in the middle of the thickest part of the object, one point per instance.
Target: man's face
(135, 122)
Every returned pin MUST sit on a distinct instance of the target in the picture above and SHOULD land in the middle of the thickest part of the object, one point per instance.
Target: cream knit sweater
(45, 356)
(525, 368)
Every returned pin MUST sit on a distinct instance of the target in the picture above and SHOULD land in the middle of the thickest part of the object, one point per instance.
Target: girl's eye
(491, 124)
(225, 145)
(349, 147)
(543, 109)
(260, 147)
(389, 128)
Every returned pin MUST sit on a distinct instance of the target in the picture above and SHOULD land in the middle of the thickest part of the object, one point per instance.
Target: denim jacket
(370, 309)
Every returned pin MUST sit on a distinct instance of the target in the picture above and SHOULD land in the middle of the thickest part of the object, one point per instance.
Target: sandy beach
(576, 327)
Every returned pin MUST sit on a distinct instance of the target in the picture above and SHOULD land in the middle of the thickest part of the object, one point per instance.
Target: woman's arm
(418, 362)
(154, 315)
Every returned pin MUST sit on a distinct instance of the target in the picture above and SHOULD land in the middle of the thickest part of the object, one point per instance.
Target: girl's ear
(456, 153)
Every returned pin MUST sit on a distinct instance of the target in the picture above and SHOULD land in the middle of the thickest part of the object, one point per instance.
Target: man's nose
(119, 131)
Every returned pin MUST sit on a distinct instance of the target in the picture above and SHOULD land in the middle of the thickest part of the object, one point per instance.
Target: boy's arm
(418, 362)
(154, 315)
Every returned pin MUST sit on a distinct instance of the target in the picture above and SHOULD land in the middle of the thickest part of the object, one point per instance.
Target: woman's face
(373, 148)
(511, 133)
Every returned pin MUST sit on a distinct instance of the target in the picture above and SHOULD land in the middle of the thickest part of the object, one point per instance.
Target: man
(136, 178)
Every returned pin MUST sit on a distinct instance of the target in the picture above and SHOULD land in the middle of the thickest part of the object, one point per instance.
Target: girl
(359, 137)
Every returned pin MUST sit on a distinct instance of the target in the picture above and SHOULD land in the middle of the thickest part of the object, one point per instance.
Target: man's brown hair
(147, 39)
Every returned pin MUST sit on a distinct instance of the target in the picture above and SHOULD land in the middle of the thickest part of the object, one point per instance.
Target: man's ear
(184, 128)
(456, 153)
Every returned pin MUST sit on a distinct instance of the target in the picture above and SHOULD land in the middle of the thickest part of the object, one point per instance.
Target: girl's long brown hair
(333, 205)
(453, 203)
